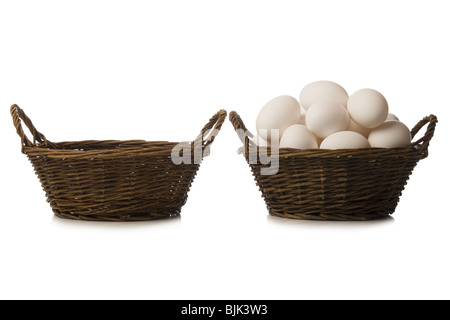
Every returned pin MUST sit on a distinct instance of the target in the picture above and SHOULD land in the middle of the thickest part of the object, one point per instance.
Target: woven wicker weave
(112, 180)
(357, 184)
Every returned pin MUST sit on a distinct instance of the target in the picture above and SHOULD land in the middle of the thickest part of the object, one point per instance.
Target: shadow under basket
(114, 180)
(346, 184)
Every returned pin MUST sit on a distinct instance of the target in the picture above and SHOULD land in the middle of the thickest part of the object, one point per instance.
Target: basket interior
(89, 145)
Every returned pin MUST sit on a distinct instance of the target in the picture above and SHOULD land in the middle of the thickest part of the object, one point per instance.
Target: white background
(157, 70)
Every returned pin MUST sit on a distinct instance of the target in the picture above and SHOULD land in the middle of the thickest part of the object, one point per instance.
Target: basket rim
(104, 149)
(336, 153)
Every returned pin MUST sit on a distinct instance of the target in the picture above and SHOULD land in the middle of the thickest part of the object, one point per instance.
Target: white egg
(260, 142)
(368, 108)
(345, 140)
(277, 114)
(322, 91)
(353, 126)
(325, 118)
(391, 134)
(391, 116)
(299, 137)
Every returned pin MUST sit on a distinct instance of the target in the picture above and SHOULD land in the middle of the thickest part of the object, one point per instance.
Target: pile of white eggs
(327, 118)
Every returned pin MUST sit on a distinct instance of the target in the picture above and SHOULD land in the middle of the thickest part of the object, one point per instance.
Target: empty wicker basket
(113, 180)
(358, 184)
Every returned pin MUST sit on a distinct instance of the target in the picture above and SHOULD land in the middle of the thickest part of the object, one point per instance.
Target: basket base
(124, 217)
(332, 217)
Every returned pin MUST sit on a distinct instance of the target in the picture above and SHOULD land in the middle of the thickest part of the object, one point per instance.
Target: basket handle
(18, 115)
(242, 132)
(424, 142)
(211, 129)
(239, 126)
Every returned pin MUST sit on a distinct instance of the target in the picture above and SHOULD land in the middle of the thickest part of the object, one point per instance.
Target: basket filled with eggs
(113, 180)
(329, 156)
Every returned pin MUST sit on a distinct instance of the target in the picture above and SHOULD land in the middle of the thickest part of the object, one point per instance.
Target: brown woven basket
(316, 184)
(113, 180)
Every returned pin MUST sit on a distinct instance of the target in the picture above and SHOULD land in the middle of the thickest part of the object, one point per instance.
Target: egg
(391, 116)
(260, 142)
(353, 126)
(322, 91)
(391, 134)
(345, 140)
(279, 113)
(368, 108)
(325, 118)
(298, 136)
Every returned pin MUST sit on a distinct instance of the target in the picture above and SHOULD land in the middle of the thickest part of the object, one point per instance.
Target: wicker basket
(357, 184)
(112, 180)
